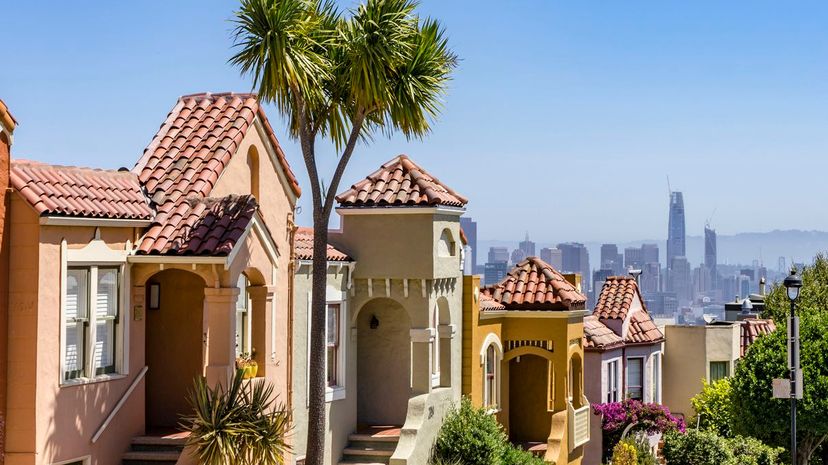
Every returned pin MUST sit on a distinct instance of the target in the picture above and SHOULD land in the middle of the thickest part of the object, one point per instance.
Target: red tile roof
(400, 182)
(210, 226)
(616, 297)
(80, 192)
(642, 329)
(599, 336)
(6, 118)
(534, 285)
(754, 328)
(196, 142)
(487, 303)
(303, 247)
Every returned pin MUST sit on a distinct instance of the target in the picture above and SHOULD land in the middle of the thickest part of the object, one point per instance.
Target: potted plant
(248, 366)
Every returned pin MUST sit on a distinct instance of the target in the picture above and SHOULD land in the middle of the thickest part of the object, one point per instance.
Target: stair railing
(120, 404)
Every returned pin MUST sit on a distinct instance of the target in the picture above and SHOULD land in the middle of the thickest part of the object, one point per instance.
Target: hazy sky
(564, 119)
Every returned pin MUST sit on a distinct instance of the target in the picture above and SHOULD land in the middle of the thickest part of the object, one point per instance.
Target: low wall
(422, 425)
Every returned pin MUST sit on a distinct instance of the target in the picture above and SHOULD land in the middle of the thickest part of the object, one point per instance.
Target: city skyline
(707, 104)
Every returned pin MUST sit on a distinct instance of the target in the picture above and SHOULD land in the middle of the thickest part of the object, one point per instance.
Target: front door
(173, 347)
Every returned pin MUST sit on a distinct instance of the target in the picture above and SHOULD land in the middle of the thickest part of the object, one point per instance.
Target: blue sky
(564, 118)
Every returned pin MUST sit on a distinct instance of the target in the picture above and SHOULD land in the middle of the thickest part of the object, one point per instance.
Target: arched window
(253, 167)
(490, 379)
(435, 348)
(445, 247)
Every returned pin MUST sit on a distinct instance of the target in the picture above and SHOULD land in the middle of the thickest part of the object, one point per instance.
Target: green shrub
(643, 451)
(471, 436)
(517, 456)
(624, 454)
(696, 448)
(714, 407)
(751, 451)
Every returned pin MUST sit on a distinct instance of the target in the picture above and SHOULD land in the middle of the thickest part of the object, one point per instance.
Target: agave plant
(241, 425)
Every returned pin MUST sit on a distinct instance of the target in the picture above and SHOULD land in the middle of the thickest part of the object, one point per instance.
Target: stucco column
(421, 340)
(219, 327)
(446, 334)
(261, 298)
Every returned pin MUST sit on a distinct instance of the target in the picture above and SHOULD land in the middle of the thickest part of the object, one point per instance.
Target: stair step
(368, 452)
(357, 437)
(363, 463)
(157, 444)
(155, 457)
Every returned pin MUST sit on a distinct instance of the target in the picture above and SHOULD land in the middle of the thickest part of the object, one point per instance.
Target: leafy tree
(813, 296)
(714, 407)
(768, 419)
(343, 77)
(471, 436)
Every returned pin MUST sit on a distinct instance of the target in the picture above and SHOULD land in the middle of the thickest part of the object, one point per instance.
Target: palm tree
(377, 68)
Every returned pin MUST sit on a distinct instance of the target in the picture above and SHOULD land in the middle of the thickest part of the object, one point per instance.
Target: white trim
(490, 339)
(410, 210)
(551, 314)
(85, 460)
(177, 259)
(99, 222)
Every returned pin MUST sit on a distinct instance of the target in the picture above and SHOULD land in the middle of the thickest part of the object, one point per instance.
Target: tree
(714, 407)
(768, 419)
(814, 293)
(343, 77)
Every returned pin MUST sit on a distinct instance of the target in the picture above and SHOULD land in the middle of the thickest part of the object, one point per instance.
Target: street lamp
(793, 284)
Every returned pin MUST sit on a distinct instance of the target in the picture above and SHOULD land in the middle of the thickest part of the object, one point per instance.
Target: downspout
(291, 230)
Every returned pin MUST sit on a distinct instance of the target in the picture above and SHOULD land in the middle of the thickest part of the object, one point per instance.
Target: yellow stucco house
(523, 358)
(129, 283)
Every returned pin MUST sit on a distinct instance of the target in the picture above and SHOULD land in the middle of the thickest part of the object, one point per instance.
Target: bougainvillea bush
(650, 418)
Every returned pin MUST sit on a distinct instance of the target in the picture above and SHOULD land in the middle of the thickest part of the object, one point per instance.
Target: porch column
(263, 339)
(446, 333)
(219, 329)
(421, 340)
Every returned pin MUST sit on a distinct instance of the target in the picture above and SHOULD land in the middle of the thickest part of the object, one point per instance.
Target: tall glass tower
(675, 228)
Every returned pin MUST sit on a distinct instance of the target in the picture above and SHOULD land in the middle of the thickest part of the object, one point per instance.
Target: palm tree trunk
(318, 372)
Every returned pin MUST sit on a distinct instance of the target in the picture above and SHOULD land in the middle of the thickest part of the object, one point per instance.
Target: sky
(564, 119)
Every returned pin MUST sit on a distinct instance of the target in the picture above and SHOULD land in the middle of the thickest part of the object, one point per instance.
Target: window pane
(719, 370)
(332, 330)
(107, 299)
(635, 378)
(242, 313)
(76, 310)
(105, 347)
(331, 368)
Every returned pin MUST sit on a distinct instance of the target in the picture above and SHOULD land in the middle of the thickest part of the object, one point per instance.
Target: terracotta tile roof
(754, 328)
(196, 142)
(487, 303)
(400, 182)
(534, 285)
(6, 118)
(303, 247)
(599, 336)
(80, 192)
(642, 329)
(616, 297)
(208, 226)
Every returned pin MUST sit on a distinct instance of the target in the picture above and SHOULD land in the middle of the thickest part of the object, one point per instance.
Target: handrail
(120, 403)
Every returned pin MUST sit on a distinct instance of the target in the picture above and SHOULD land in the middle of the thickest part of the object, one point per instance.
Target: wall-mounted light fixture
(154, 296)
(374, 322)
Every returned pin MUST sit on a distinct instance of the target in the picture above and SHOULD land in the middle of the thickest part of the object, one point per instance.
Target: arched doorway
(383, 363)
(530, 420)
(174, 347)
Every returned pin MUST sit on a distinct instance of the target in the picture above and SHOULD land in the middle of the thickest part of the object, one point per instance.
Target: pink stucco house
(128, 283)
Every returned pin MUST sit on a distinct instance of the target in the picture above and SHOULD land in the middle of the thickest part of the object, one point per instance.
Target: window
(612, 381)
(657, 378)
(332, 338)
(90, 338)
(435, 350)
(243, 318)
(635, 378)
(490, 378)
(719, 370)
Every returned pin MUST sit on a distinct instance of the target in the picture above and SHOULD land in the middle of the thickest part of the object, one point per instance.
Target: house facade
(7, 125)
(624, 351)
(523, 358)
(394, 303)
(128, 284)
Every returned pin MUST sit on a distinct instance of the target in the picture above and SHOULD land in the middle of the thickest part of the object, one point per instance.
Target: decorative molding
(405, 287)
(422, 334)
(447, 331)
(513, 344)
(97, 222)
(410, 210)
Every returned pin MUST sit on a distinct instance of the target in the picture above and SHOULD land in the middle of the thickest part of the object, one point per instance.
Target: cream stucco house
(395, 309)
(128, 284)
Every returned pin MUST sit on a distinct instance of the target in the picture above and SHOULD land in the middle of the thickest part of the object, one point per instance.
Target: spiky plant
(241, 425)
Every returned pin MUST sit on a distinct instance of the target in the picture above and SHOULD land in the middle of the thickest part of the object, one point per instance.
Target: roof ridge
(220, 94)
(44, 165)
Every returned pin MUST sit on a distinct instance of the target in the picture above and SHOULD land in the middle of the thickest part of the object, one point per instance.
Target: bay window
(612, 381)
(332, 343)
(635, 378)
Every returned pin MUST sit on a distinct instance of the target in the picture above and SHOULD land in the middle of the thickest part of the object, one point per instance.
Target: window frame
(613, 386)
(246, 319)
(656, 378)
(628, 385)
(724, 363)
(337, 366)
(332, 393)
(491, 397)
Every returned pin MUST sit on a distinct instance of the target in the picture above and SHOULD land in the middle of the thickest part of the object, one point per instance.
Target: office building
(469, 227)
(498, 254)
(553, 256)
(494, 272)
(611, 259)
(575, 259)
(650, 278)
(675, 229)
(649, 253)
(633, 258)
(517, 256)
(527, 247)
(680, 279)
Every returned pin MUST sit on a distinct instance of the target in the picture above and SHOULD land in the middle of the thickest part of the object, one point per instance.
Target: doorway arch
(383, 363)
(174, 346)
(530, 420)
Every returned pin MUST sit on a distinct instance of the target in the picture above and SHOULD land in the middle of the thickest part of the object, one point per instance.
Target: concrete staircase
(154, 450)
(373, 445)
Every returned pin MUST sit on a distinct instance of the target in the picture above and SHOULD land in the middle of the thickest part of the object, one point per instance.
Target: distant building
(575, 259)
(498, 254)
(680, 279)
(650, 278)
(676, 236)
(633, 258)
(528, 248)
(470, 229)
(611, 259)
(599, 277)
(494, 272)
(553, 256)
(649, 253)
(710, 258)
(517, 256)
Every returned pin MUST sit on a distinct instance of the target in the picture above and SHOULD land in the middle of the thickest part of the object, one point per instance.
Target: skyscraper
(517, 256)
(675, 228)
(710, 254)
(528, 247)
(470, 229)
(498, 254)
(633, 258)
(611, 259)
(552, 256)
(649, 253)
(575, 259)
